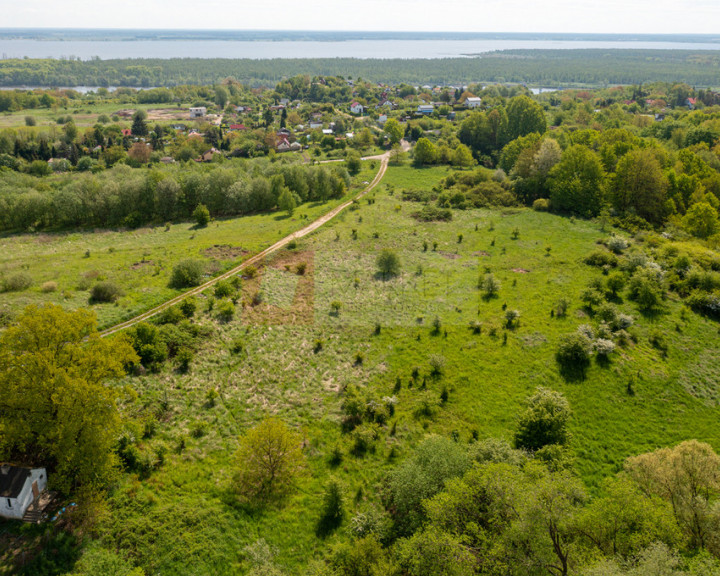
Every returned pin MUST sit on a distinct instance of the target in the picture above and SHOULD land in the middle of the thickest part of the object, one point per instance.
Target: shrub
(49, 287)
(225, 311)
(437, 365)
(17, 282)
(431, 213)
(601, 258)
(388, 263)
(184, 358)
(301, 269)
(541, 205)
(561, 307)
(645, 289)
(335, 307)
(223, 289)
(105, 292)
(148, 344)
(171, 315)
(544, 421)
(201, 215)
(364, 437)
(188, 306)
(333, 509)
(251, 272)
(187, 273)
(617, 244)
(573, 353)
(490, 285)
(704, 303)
(603, 347)
(512, 318)
(198, 428)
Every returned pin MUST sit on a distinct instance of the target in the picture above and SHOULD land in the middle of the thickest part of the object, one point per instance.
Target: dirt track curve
(257, 258)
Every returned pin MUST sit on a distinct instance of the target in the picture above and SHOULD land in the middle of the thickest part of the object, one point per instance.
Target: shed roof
(12, 480)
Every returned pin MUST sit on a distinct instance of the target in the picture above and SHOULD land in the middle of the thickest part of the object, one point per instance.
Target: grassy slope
(140, 261)
(183, 520)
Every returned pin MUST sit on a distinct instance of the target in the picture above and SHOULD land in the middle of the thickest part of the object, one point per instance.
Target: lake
(353, 48)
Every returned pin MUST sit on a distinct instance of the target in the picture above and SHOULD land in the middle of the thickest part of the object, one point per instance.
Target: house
(382, 118)
(208, 156)
(315, 125)
(356, 108)
(283, 132)
(167, 160)
(659, 117)
(425, 109)
(690, 103)
(383, 103)
(283, 145)
(451, 116)
(179, 127)
(295, 146)
(473, 102)
(19, 488)
(284, 101)
(277, 107)
(327, 131)
(126, 132)
(236, 127)
(198, 112)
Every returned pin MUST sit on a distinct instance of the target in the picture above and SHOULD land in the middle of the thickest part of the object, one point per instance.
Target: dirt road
(258, 258)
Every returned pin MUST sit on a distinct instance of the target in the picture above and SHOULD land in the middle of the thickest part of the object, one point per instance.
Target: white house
(473, 102)
(198, 112)
(19, 487)
(356, 108)
(425, 109)
(382, 118)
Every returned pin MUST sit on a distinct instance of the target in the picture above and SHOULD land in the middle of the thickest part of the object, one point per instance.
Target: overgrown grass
(184, 518)
(140, 261)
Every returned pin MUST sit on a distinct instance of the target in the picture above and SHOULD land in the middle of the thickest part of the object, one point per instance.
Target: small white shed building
(19, 487)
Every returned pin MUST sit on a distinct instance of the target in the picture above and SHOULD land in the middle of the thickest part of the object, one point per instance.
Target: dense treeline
(544, 67)
(124, 196)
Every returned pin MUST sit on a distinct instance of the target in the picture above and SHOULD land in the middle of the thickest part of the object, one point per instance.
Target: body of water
(354, 48)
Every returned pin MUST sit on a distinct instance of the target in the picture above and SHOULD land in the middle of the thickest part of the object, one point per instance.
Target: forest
(550, 68)
(498, 357)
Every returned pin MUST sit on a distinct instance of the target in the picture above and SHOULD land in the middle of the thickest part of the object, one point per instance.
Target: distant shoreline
(131, 35)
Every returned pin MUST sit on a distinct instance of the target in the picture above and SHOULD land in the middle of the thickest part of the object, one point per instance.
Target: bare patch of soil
(224, 252)
(520, 270)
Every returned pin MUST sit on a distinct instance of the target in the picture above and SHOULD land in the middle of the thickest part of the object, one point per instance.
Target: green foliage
(525, 116)
(17, 282)
(424, 152)
(201, 215)
(434, 552)
(544, 421)
(105, 292)
(435, 461)
(573, 354)
(187, 273)
(701, 220)
(53, 373)
(333, 509)
(577, 182)
(268, 462)
(146, 340)
(388, 263)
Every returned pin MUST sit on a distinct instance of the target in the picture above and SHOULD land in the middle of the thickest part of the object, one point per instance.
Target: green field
(140, 261)
(184, 519)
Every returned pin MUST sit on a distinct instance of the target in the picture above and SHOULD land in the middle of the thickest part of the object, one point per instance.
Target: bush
(223, 289)
(388, 263)
(301, 268)
(544, 421)
(541, 205)
(601, 258)
(437, 365)
(171, 315)
(184, 358)
(333, 510)
(201, 215)
(431, 213)
(490, 285)
(617, 244)
(704, 303)
(17, 282)
(49, 287)
(105, 292)
(251, 272)
(645, 289)
(186, 274)
(225, 311)
(335, 307)
(603, 347)
(148, 344)
(573, 353)
(188, 306)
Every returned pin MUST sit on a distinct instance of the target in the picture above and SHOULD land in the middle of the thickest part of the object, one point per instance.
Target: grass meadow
(64, 265)
(298, 353)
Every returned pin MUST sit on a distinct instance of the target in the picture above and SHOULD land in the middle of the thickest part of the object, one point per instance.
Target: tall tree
(639, 185)
(576, 183)
(56, 408)
(139, 127)
(524, 117)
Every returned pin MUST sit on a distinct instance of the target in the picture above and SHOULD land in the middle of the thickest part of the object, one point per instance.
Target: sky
(587, 16)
